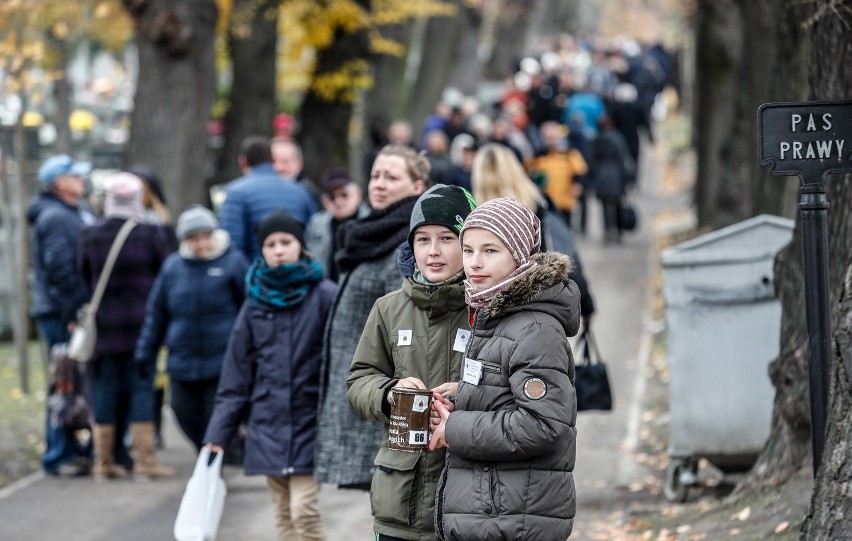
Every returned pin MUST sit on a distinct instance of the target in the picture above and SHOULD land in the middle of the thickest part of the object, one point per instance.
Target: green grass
(21, 415)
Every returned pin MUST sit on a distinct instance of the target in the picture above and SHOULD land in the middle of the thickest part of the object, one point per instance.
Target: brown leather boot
(104, 438)
(145, 465)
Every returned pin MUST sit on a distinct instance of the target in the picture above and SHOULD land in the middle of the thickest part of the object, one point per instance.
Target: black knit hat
(441, 205)
(280, 221)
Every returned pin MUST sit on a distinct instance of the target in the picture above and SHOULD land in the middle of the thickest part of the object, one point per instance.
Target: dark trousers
(610, 216)
(192, 402)
(583, 201)
(61, 446)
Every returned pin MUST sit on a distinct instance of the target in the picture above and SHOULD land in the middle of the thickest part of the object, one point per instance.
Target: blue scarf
(285, 286)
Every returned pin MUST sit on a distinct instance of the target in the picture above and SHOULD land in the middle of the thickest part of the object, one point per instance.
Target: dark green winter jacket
(402, 494)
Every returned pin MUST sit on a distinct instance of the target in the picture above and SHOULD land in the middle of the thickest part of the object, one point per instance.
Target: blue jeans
(61, 445)
(118, 377)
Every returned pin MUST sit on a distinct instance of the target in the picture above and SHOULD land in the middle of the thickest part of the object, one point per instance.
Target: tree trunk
(61, 93)
(510, 34)
(550, 18)
(174, 93)
(324, 134)
(773, 68)
(440, 43)
(831, 505)
(788, 80)
(383, 103)
(789, 445)
(467, 66)
(719, 40)
(253, 43)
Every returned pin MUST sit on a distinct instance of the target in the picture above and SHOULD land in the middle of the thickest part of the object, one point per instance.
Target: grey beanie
(195, 219)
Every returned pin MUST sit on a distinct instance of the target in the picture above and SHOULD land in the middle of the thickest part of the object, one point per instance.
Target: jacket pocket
(392, 490)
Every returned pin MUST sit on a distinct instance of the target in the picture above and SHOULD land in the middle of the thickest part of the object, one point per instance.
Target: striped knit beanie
(513, 223)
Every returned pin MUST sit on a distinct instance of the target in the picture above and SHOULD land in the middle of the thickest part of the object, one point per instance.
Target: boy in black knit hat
(414, 338)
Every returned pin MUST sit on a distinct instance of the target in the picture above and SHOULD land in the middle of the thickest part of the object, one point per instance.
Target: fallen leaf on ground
(782, 527)
(742, 515)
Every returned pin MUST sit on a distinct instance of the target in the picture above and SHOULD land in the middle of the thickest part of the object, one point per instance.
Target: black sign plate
(808, 139)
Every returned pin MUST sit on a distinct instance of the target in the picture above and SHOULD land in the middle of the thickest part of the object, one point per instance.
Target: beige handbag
(81, 345)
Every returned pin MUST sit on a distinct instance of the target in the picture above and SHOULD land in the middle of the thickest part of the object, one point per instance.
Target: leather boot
(104, 469)
(145, 465)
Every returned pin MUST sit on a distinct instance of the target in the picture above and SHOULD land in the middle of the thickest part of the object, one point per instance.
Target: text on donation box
(409, 420)
(806, 139)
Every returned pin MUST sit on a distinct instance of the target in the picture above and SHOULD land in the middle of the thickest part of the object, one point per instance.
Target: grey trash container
(723, 327)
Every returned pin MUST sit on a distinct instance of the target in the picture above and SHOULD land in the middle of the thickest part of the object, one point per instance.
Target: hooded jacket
(271, 370)
(192, 307)
(402, 494)
(512, 435)
(58, 290)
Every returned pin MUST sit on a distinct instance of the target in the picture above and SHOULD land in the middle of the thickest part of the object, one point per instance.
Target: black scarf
(375, 235)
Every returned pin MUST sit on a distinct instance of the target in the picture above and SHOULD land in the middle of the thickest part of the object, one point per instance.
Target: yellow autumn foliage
(33, 32)
(308, 26)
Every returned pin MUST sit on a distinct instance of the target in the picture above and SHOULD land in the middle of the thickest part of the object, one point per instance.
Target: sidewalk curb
(628, 469)
(21, 484)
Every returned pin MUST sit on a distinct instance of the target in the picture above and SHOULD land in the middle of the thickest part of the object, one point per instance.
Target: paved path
(81, 510)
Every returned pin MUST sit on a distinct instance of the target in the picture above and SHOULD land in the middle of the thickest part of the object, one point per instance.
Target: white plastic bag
(203, 501)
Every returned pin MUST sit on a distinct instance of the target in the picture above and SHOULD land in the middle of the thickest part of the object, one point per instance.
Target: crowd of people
(457, 273)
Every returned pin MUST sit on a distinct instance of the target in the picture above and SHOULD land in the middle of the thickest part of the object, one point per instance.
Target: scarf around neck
(375, 235)
(285, 286)
(481, 298)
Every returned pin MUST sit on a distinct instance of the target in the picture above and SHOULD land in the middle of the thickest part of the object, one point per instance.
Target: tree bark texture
(440, 42)
(550, 18)
(324, 132)
(509, 39)
(252, 43)
(467, 66)
(830, 515)
(719, 39)
(61, 93)
(789, 445)
(753, 53)
(174, 93)
(384, 102)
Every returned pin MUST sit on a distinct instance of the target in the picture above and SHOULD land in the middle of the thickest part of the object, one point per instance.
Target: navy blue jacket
(58, 289)
(193, 306)
(272, 367)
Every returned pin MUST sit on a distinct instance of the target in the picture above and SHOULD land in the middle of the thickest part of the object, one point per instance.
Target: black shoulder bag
(592, 381)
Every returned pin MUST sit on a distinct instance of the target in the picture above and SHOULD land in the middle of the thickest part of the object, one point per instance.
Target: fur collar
(552, 268)
(221, 243)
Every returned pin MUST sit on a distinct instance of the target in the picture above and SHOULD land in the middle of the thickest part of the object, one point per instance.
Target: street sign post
(811, 140)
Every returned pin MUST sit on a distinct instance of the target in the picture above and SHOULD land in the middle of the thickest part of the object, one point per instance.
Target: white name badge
(462, 336)
(404, 338)
(472, 371)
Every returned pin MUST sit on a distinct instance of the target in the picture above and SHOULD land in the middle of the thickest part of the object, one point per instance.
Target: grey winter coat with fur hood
(512, 436)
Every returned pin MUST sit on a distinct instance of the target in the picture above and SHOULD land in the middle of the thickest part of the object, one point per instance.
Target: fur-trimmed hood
(546, 287)
(221, 243)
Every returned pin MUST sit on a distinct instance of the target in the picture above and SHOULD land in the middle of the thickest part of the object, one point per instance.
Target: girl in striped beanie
(517, 229)
(510, 435)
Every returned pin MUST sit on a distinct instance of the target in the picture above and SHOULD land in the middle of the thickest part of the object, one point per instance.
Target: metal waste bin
(723, 326)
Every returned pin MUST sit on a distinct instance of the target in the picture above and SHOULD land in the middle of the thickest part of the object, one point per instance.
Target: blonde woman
(367, 257)
(498, 173)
